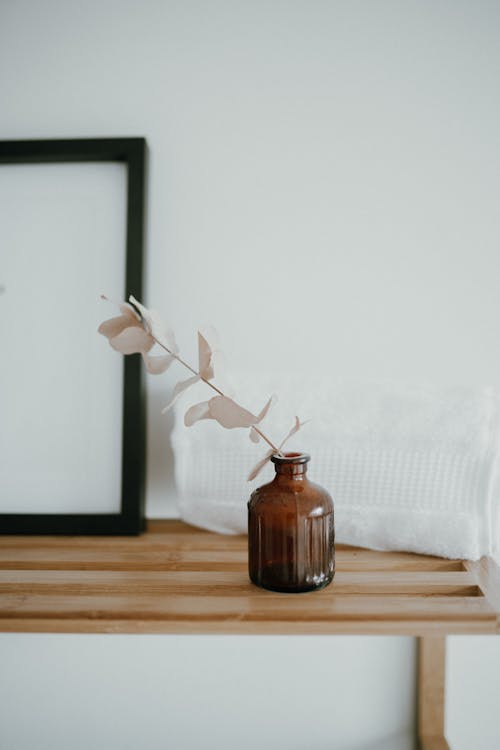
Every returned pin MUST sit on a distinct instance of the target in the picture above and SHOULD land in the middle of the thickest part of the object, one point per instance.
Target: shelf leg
(431, 693)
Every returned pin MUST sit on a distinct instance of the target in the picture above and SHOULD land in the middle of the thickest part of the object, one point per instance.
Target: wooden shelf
(178, 579)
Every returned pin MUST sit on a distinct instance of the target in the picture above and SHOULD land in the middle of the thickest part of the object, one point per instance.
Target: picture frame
(129, 519)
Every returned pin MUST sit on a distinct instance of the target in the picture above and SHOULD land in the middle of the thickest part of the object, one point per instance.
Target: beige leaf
(229, 414)
(218, 363)
(157, 365)
(208, 344)
(254, 435)
(155, 326)
(178, 390)
(127, 309)
(124, 307)
(132, 340)
(142, 311)
(259, 466)
(298, 424)
(197, 412)
(266, 408)
(114, 326)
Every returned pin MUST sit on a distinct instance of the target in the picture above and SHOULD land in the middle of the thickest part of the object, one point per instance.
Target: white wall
(473, 692)
(184, 693)
(324, 182)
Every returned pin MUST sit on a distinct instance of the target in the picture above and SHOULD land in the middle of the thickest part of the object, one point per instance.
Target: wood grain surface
(431, 693)
(179, 579)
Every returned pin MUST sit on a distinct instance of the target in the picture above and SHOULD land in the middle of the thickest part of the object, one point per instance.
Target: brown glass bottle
(291, 530)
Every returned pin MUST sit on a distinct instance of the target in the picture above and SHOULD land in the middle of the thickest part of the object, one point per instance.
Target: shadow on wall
(160, 489)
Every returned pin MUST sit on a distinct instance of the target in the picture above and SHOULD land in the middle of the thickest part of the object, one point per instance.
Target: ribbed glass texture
(291, 530)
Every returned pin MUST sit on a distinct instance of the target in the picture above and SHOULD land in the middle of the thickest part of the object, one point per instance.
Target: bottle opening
(291, 458)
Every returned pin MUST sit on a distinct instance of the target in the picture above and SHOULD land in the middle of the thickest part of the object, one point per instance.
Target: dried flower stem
(217, 390)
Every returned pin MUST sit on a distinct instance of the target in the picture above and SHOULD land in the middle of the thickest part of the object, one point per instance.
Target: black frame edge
(130, 520)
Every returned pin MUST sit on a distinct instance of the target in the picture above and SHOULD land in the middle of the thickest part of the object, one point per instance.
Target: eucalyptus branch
(137, 330)
(214, 387)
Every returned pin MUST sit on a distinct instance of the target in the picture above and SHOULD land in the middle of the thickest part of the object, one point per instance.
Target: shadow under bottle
(291, 530)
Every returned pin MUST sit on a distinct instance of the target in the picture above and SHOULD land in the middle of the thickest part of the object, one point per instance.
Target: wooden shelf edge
(175, 627)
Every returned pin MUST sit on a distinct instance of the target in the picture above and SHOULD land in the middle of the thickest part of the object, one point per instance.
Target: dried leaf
(259, 466)
(137, 317)
(211, 360)
(298, 424)
(266, 408)
(141, 311)
(229, 414)
(178, 390)
(132, 340)
(218, 361)
(127, 309)
(114, 326)
(254, 435)
(157, 365)
(155, 326)
(197, 412)
(124, 307)
(208, 345)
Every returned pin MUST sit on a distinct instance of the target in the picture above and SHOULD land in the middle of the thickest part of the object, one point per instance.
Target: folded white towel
(410, 467)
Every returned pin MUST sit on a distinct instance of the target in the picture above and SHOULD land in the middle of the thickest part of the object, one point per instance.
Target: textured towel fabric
(410, 467)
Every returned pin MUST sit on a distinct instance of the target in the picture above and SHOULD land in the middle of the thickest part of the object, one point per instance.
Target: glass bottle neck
(297, 471)
(290, 472)
(290, 465)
